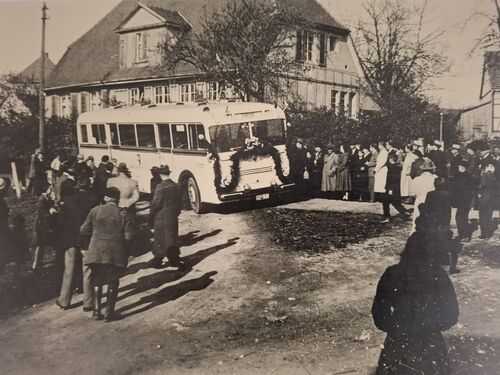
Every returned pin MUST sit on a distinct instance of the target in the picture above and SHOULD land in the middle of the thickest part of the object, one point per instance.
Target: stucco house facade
(482, 121)
(118, 61)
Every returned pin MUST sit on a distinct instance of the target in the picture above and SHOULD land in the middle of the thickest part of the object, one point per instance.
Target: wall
(476, 123)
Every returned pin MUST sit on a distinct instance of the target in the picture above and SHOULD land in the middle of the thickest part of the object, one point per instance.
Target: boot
(97, 303)
(111, 297)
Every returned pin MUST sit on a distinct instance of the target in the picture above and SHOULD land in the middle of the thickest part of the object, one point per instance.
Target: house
(32, 72)
(482, 121)
(118, 61)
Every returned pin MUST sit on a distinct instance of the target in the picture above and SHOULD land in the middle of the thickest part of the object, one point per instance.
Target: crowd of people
(86, 213)
(393, 174)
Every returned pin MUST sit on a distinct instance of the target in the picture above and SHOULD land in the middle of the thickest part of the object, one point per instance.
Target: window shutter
(145, 41)
(174, 93)
(55, 105)
(104, 98)
(74, 102)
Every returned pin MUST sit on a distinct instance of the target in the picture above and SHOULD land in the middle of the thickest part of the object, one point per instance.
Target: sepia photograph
(238, 187)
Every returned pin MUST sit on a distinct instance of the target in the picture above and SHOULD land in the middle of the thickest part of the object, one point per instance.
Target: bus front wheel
(194, 196)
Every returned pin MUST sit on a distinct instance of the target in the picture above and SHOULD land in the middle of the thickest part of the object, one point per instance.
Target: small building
(482, 121)
(118, 61)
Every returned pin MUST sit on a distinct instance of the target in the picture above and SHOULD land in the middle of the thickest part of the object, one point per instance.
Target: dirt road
(250, 306)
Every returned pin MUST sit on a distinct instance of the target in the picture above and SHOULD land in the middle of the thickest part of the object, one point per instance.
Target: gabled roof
(164, 16)
(491, 72)
(94, 57)
(32, 72)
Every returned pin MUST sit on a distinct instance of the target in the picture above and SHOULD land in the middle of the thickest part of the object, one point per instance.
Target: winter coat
(359, 174)
(415, 170)
(405, 187)
(343, 182)
(439, 159)
(381, 171)
(487, 189)
(129, 190)
(329, 177)
(422, 185)
(393, 183)
(164, 212)
(413, 304)
(46, 224)
(110, 229)
(461, 190)
(454, 162)
(74, 212)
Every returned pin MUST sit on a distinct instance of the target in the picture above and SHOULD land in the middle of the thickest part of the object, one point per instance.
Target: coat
(46, 224)
(163, 215)
(413, 304)
(422, 185)
(461, 188)
(4, 230)
(405, 187)
(343, 182)
(393, 182)
(371, 163)
(359, 174)
(439, 159)
(110, 229)
(454, 162)
(329, 176)
(129, 190)
(74, 212)
(381, 171)
(487, 190)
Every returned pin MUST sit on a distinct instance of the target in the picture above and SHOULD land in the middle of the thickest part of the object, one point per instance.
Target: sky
(20, 36)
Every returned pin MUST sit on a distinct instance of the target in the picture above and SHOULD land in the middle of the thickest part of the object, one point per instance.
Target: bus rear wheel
(194, 196)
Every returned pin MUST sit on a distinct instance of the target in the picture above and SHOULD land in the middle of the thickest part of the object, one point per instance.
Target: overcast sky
(20, 34)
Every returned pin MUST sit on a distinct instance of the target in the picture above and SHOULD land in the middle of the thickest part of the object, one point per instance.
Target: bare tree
(247, 44)
(398, 57)
(490, 35)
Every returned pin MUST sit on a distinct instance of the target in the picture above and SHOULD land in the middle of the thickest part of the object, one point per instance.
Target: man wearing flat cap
(455, 160)
(163, 217)
(129, 191)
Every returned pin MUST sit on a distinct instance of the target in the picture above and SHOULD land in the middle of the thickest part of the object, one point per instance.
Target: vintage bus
(218, 152)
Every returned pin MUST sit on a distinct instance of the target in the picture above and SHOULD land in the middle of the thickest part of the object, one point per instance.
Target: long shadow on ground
(158, 279)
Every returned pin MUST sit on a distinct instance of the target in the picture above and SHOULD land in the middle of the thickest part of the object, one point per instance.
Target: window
(55, 105)
(322, 49)
(84, 102)
(304, 47)
(179, 134)
(334, 99)
(165, 139)
(113, 131)
(194, 132)
(269, 131)
(83, 133)
(127, 135)
(98, 134)
(146, 135)
(162, 94)
(122, 52)
(213, 88)
(229, 137)
(334, 41)
(134, 96)
(342, 101)
(138, 47)
(188, 93)
(350, 103)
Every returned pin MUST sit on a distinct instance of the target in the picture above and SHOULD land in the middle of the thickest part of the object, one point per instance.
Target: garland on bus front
(253, 149)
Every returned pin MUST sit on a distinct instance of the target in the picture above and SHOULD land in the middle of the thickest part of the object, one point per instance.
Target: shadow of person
(167, 294)
(156, 280)
(414, 303)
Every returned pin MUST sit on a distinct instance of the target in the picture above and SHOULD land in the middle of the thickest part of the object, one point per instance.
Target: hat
(79, 157)
(427, 165)
(455, 146)
(164, 169)
(154, 169)
(418, 143)
(122, 168)
(112, 193)
(438, 143)
(300, 140)
(4, 183)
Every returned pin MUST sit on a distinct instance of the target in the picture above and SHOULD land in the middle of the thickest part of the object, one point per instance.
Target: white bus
(242, 156)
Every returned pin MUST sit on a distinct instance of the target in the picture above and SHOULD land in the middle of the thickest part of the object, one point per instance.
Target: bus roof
(212, 113)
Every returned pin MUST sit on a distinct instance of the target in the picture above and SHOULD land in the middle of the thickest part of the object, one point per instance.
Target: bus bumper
(255, 194)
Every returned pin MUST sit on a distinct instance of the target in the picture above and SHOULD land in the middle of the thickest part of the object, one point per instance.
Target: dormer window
(141, 47)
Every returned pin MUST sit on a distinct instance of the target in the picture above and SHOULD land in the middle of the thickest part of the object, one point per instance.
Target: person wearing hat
(164, 212)
(439, 158)
(81, 167)
(4, 220)
(418, 150)
(298, 157)
(128, 187)
(422, 185)
(455, 159)
(329, 176)
(102, 174)
(66, 183)
(486, 199)
(74, 212)
(461, 187)
(110, 230)
(405, 182)
(155, 181)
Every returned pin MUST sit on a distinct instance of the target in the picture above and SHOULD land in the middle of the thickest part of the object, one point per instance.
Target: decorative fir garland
(256, 150)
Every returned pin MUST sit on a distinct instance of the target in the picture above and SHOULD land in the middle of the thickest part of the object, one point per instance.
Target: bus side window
(194, 131)
(180, 136)
(127, 135)
(83, 133)
(164, 131)
(146, 135)
(99, 134)
(113, 130)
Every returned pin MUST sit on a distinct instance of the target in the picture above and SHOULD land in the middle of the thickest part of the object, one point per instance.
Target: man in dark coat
(102, 175)
(299, 161)
(461, 186)
(74, 212)
(455, 160)
(439, 158)
(163, 216)
(486, 198)
(155, 180)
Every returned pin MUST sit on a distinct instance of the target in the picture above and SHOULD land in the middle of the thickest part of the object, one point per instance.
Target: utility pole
(41, 133)
(441, 127)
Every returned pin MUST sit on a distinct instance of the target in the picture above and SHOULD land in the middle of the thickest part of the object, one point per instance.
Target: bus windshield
(232, 136)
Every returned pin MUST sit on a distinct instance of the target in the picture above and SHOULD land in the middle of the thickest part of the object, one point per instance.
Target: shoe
(180, 265)
(97, 316)
(484, 237)
(88, 309)
(113, 317)
(61, 306)
(155, 263)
